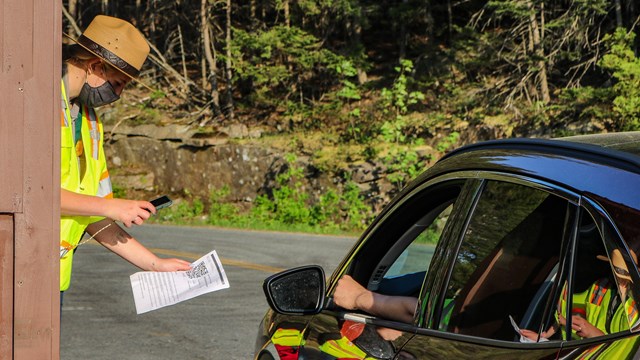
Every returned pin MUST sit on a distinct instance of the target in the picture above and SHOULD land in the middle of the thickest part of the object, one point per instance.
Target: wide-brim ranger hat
(117, 42)
(619, 265)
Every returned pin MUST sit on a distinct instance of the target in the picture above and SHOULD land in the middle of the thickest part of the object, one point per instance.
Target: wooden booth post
(30, 63)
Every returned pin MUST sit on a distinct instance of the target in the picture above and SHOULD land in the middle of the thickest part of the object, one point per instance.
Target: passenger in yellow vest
(103, 60)
(608, 310)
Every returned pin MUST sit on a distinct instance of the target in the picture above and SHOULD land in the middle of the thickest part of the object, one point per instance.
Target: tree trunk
(73, 26)
(539, 52)
(403, 32)
(140, 9)
(449, 18)
(184, 61)
(634, 16)
(152, 22)
(618, 7)
(210, 58)
(253, 11)
(72, 8)
(287, 15)
(354, 30)
(228, 75)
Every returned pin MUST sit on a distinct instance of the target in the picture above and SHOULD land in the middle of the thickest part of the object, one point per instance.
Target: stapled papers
(153, 290)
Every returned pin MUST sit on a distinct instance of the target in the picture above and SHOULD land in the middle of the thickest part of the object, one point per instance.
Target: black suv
(496, 241)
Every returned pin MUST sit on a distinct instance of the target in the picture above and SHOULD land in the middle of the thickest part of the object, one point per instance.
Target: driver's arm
(351, 295)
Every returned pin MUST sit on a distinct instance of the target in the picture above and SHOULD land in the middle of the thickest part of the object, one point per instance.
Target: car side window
(600, 300)
(508, 255)
(407, 272)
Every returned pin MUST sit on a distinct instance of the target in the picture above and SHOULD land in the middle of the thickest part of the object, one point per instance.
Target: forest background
(390, 83)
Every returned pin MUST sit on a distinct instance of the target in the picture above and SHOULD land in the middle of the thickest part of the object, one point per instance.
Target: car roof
(622, 148)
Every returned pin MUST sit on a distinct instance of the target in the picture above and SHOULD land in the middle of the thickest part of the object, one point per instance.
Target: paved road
(99, 319)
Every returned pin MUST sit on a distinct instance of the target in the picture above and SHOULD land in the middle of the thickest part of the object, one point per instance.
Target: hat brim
(134, 78)
(621, 276)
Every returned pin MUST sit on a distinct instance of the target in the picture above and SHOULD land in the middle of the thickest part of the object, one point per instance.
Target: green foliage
(289, 205)
(149, 112)
(277, 60)
(614, 107)
(625, 68)
(398, 97)
(402, 161)
(448, 142)
(395, 101)
(517, 9)
(393, 131)
(221, 212)
(326, 210)
(403, 165)
(346, 95)
(183, 212)
(289, 201)
(349, 90)
(585, 104)
(357, 212)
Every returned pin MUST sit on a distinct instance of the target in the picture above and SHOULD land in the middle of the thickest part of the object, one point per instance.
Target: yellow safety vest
(83, 169)
(596, 304)
(600, 295)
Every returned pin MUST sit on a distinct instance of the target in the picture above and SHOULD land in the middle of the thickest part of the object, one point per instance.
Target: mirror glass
(298, 292)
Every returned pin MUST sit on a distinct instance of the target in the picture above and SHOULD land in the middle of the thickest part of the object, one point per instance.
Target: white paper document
(153, 290)
(523, 339)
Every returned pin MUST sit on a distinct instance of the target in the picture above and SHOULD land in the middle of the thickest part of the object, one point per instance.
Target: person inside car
(606, 311)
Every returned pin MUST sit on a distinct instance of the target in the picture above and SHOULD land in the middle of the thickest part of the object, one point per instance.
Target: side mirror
(298, 291)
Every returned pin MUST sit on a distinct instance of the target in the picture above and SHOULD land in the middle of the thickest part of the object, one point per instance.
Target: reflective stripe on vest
(632, 312)
(94, 131)
(95, 180)
(599, 292)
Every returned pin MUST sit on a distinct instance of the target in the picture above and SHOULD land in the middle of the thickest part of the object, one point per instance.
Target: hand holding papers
(153, 290)
(523, 339)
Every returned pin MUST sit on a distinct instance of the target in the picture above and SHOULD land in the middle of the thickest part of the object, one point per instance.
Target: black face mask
(97, 96)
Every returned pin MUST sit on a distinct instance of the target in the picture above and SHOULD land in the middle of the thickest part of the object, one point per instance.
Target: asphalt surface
(99, 320)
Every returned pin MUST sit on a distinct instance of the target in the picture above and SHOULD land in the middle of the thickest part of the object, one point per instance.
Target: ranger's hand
(128, 212)
(171, 264)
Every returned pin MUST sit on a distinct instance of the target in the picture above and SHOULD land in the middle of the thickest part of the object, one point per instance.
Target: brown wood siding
(30, 63)
(6, 286)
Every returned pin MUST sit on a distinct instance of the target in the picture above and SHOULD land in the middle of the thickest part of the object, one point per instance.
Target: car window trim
(503, 344)
(374, 228)
(567, 261)
(376, 321)
(403, 243)
(432, 301)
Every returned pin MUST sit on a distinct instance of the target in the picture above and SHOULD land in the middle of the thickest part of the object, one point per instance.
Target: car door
(499, 275)
(392, 259)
